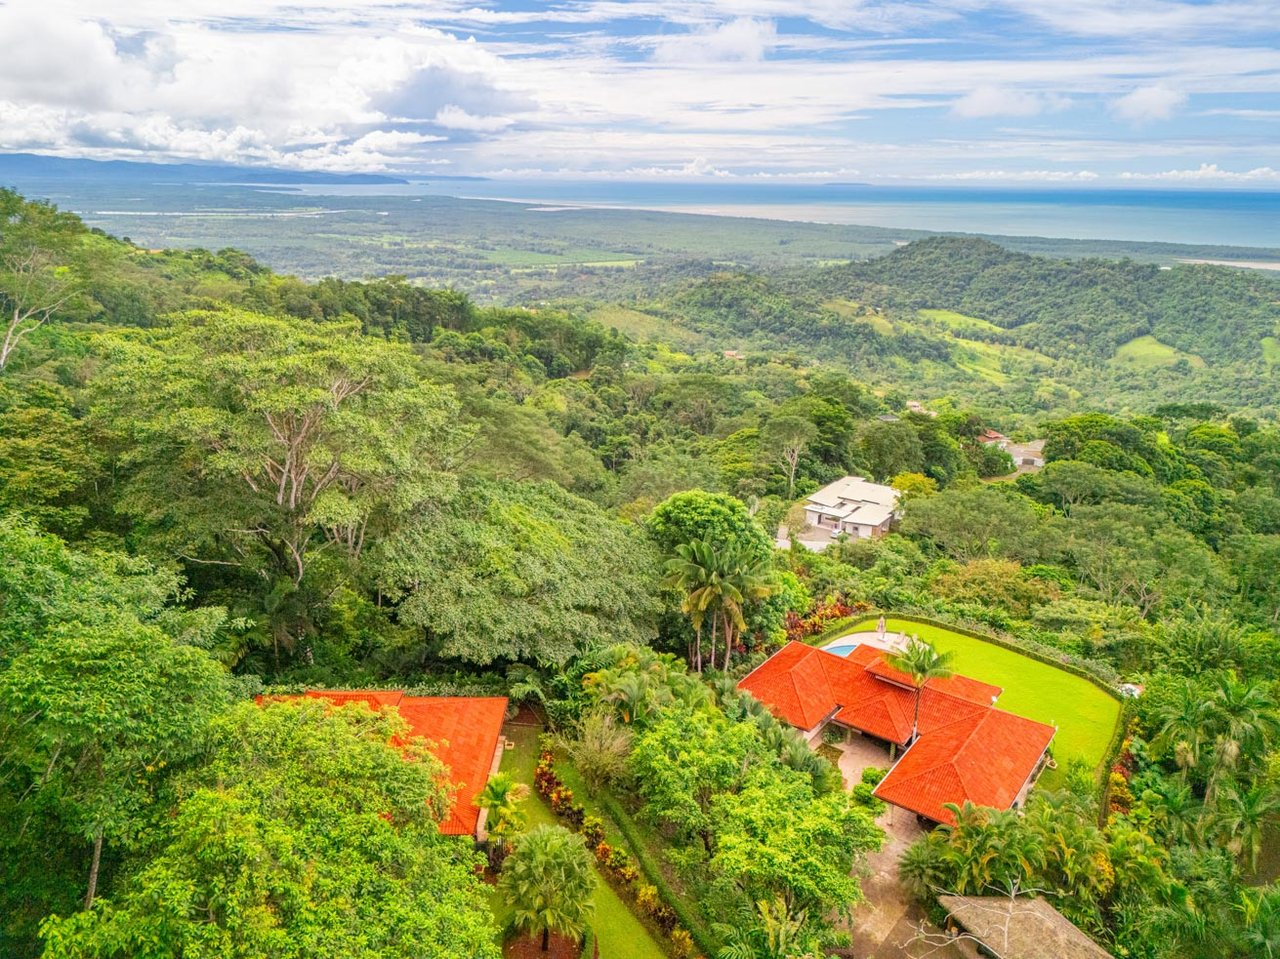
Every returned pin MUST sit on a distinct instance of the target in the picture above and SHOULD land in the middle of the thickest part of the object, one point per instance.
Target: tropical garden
(217, 481)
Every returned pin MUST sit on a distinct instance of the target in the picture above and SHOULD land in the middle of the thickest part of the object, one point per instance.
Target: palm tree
(549, 882)
(1242, 817)
(745, 579)
(1173, 810)
(501, 798)
(694, 570)
(1182, 728)
(1243, 714)
(922, 663)
(772, 932)
(633, 692)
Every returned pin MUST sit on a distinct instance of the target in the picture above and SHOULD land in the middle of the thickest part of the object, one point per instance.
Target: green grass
(645, 326)
(1148, 353)
(620, 934)
(1271, 350)
(1086, 717)
(958, 321)
(857, 312)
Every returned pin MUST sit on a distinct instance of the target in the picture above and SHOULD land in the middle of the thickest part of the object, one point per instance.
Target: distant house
(852, 505)
(1026, 455)
(990, 437)
(915, 406)
(966, 749)
(1020, 928)
(467, 735)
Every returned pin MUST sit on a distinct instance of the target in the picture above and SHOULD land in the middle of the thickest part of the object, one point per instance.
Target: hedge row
(1009, 644)
(622, 819)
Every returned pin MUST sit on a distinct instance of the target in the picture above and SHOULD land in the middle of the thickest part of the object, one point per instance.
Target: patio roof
(1021, 928)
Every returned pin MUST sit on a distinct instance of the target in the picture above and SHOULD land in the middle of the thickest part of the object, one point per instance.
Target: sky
(999, 92)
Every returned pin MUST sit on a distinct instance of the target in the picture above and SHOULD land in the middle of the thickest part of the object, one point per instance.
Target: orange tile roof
(966, 749)
(463, 729)
(984, 759)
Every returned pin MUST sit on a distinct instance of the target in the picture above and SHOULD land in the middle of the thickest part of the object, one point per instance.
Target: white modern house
(852, 506)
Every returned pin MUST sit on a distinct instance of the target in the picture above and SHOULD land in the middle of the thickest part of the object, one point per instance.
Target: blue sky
(1018, 92)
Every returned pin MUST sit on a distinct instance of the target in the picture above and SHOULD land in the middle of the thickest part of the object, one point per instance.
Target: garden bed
(618, 931)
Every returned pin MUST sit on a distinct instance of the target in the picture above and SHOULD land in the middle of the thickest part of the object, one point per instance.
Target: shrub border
(622, 819)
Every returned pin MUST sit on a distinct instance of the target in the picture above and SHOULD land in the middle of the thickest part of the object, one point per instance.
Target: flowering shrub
(823, 614)
(615, 862)
(647, 898)
(545, 779)
(682, 944)
(593, 831)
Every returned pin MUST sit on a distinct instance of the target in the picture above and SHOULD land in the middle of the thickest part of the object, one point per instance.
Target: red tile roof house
(466, 732)
(966, 751)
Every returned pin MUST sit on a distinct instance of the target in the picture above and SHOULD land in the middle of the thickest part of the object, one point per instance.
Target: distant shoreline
(1243, 264)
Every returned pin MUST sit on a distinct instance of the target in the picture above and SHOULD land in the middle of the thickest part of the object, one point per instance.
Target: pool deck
(890, 642)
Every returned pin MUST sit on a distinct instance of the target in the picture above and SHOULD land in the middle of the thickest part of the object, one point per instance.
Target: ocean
(1219, 217)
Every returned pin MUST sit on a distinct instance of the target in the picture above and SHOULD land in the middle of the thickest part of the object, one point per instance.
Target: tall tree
(306, 833)
(786, 438)
(258, 440)
(549, 882)
(91, 714)
(37, 278)
(510, 570)
(922, 663)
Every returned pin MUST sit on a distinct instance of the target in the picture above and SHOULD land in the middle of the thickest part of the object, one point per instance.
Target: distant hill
(1071, 308)
(18, 167)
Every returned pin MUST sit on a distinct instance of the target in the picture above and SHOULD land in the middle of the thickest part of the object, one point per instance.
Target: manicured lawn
(620, 934)
(1086, 717)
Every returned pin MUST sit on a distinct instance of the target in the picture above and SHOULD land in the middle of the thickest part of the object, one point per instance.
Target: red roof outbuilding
(966, 750)
(466, 736)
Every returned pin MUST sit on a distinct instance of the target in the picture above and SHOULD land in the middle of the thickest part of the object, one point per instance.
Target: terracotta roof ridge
(959, 751)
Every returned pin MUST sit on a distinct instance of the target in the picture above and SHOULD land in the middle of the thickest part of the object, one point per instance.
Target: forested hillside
(216, 481)
(1019, 333)
(1071, 307)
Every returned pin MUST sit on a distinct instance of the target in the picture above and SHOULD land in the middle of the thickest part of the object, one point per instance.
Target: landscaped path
(1086, 716)
(885, 926)
(619, 933)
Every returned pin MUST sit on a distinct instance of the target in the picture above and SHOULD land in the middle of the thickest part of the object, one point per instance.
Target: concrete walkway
(885, 926)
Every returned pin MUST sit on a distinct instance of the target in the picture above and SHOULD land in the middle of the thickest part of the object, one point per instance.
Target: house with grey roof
(852, 506)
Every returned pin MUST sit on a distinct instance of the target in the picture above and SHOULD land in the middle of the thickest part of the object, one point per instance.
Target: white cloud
(993, 101)
(1145, 104)
(698, 167)
(453, 117)
(585, 87)
(1017, 176)
(1209, 172)
(741, 39)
